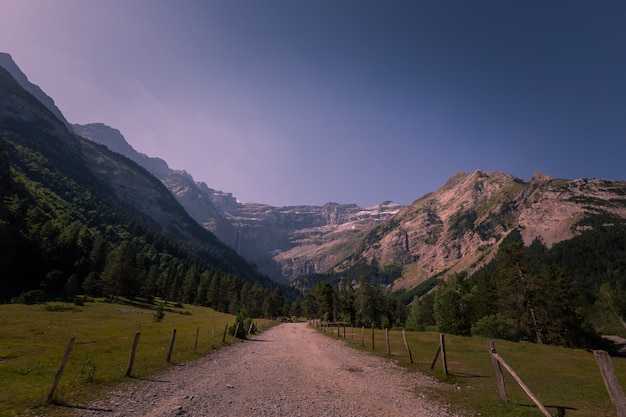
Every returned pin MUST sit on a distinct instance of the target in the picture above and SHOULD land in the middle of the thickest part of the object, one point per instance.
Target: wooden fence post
(432, 365)
(441, 349)
(362, 335)
(522, 385)
(225, 330)
(406, 345)
(373, 348)
(387, 341)
(236, 331)
(131, 358)
(57, 377)
(171, 348)
(195, 345)
(611, 382)
(250, 329)
(498, 371)
(444, 362)
(213, 336)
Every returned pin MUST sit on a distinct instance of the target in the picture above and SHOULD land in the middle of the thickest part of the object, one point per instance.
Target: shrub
(242, 324)
(158, 313)
(29, 297)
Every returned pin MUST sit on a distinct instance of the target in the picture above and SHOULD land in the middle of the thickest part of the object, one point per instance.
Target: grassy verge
(565, 379)
(33, 340)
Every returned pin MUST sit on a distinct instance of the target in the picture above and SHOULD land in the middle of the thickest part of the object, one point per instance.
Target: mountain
(456, 228)
(6, 61)
(61, 194)
(282, 241)
(460, 226)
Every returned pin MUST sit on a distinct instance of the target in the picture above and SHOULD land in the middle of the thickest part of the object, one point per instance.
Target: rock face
(295, 240)
(460, 226)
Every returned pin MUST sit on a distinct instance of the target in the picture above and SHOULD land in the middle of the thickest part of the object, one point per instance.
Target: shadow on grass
(468, 376)
(560, 409)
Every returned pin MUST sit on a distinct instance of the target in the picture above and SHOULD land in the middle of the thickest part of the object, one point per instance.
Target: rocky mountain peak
(539, 177)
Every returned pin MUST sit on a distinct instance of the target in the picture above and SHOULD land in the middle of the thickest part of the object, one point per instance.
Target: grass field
(568, 379)
(33, 340)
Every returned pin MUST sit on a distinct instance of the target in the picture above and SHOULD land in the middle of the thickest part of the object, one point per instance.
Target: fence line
(618, 398)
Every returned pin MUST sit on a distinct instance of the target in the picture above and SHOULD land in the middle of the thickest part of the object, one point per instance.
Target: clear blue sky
(306, 102)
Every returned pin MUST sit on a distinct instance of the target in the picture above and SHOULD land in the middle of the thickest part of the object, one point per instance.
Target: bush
(158, 313)
(29, 297)
(242, 324)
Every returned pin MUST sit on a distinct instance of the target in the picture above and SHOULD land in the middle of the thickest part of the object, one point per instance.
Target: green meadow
(564, 380)
(34, 338)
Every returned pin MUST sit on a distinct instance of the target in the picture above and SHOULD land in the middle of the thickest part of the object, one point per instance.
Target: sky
(288, 102)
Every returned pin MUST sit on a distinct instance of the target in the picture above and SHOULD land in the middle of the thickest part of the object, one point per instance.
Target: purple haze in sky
(296, 102)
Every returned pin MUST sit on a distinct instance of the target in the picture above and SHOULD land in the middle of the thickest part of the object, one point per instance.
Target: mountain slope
(282, 241)
(58, 181)
(460, 226)
(6, 61)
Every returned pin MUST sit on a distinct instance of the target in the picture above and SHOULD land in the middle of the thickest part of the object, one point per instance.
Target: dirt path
(290, 370)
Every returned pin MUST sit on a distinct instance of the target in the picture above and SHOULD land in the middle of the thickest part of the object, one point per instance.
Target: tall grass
(33, 340)
(562, 378)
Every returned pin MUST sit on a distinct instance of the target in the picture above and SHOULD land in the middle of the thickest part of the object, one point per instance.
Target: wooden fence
(133, 354)
(604, 362)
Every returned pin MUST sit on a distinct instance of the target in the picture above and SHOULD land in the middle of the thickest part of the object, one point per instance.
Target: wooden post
(432, 365)
(611, 382)
(443, 354)
(498, 371)
(57, 377)
(406, 345)
(522, 385)
(195, 345)
(373, 348)
(213, 336)
(171, 348)
(236, 331)
(387, 340)
(131, 358)
(250, 329)
(362, 335)
(224, 337)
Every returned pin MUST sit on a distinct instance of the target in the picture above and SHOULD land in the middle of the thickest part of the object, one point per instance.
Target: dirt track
(290, 370)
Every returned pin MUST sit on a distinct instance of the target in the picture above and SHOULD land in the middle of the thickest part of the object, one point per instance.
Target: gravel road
(289, 370)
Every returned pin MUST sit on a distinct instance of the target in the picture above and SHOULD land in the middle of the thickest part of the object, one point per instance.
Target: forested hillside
(73, 222)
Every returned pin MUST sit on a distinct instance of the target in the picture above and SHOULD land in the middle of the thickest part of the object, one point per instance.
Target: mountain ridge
(59, 183)
(455, 228)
